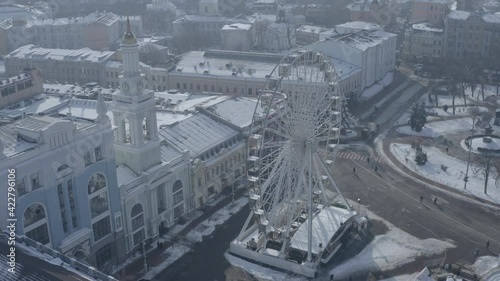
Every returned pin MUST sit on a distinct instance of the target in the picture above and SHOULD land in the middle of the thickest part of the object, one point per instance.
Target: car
(418, 66)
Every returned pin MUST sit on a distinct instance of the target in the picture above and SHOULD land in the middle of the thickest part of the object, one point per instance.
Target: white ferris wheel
(297, 209)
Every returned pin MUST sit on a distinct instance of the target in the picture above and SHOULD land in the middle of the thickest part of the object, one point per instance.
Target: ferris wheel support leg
(309, 238)
(330, 178)
(245, 226)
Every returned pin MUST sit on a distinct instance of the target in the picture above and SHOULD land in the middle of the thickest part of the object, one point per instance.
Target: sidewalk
(135, 270)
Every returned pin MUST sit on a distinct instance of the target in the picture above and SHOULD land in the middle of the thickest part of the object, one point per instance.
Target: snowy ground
(385, 252)
(173, 253)
(486, 263)
(390, 251)
(454, 175)
(417, 276)
(208, 226)
(435, 129)
(460, 111)
(376, 88)
(489, 90)
(205, 228)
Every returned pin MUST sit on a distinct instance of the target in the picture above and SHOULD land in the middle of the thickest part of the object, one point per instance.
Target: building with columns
(153, 176)
(66, 187)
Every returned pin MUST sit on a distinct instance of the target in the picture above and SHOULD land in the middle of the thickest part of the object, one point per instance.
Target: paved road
(396, 199)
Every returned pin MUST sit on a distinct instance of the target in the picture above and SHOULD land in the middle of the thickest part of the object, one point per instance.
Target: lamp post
(466, 178)
(144, 255)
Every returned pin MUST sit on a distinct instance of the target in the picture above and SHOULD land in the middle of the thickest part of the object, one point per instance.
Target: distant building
(472, 35)
(208, 7)
(423, 41)
(470, 5)
(21, 87)
(266, 7)
(241, 73)
(355, 26)
(193, 31)
(308, 34)
(432, 11)
(374, 52)
(61, 65)
(97, 31)
(237, 37)
(367, 11)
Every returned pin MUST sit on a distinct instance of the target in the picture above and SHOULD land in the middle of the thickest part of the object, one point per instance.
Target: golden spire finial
(129, 37)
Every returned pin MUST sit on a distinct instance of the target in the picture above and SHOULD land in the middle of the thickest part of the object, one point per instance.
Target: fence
(81, 267)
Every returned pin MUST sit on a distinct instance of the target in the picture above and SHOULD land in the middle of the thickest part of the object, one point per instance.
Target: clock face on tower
(139, 85)
(125, 87)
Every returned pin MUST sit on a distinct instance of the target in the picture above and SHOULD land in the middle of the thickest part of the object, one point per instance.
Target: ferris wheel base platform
(329, 226)
(307, 269)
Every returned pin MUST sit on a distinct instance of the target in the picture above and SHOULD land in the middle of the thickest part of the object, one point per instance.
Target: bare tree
(149, 54)
(452, 89)
(261, 29)
(484, 164)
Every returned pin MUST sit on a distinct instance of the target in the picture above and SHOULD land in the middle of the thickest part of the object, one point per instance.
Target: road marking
(429, 217)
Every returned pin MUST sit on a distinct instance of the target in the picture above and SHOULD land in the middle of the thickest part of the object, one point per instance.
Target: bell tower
(134, 116)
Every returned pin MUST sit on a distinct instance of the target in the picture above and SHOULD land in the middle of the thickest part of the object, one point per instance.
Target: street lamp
(466, 178)
(144, 255)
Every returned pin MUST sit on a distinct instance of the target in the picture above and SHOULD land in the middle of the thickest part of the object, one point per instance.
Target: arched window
(62, 167)
(35, 224)
(178, 195)
(33, 213)
(137, 218)
(97, 181)
(126, 131)
(145, 126)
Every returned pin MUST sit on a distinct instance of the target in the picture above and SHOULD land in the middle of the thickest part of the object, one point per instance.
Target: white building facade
(154, 179)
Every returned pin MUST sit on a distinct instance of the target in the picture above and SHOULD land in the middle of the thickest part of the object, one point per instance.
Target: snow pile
(390, 251)
(174, 253)
(417, 276)
(454, 175)
(486, 263)
(371, 91)
(435, 129)
(389, 77)
(438, 111)
(207, 227)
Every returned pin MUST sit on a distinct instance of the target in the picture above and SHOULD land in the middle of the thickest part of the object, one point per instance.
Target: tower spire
(128, 36)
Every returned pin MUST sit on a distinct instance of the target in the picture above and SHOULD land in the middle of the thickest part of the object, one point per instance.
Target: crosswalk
(351, 155)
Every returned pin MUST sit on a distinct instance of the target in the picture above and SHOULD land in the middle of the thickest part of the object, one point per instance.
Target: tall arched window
(98, 195)
(97, 181)
(35, 224)
(137, 219)
(126, 131)
(145, 129)
(178, 195)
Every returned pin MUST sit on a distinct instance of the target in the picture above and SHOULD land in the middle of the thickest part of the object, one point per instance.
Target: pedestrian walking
(354, 170)
(435, 200)
(368, 159)
(376, 169)
(331, 277)
(421, 198)
(488, 244)
(446, 150)
(406, 158)
(476, 253)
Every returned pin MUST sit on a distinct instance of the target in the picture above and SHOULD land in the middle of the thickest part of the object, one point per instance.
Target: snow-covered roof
(125, 175)
(196, 134)
(225, 63)
(364, 39)
(31, 51)
(325, 225)
(201, 19)
(14, 145)
(463, 15)
(237, 26)
(237, 110)
(362, 25)
(316, 29)
(168, 152)
(425, 26)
